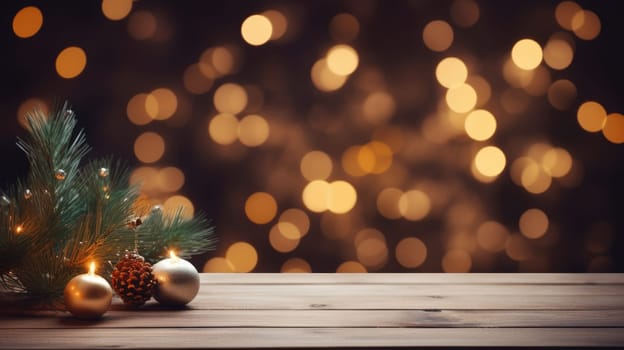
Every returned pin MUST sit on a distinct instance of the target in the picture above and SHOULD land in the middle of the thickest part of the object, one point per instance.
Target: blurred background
(346, 136)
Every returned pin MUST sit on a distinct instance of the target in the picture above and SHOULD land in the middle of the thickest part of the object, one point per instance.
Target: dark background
(119, 67)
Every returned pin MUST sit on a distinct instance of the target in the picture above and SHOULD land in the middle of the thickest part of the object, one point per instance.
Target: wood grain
(349, 310)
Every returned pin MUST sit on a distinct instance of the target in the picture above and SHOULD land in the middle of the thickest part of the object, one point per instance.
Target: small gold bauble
(88, 296)
(177, 281)
(60, 174)
(103, 172)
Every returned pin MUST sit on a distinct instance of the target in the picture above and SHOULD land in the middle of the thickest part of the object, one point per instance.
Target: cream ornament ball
(177, 281)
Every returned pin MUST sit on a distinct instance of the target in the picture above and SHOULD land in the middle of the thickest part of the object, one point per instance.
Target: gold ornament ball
(177, 281)
(88, 296)
(103, 172)
(60, 174)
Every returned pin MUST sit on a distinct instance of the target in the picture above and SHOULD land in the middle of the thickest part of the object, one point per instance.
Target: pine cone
(132, 279)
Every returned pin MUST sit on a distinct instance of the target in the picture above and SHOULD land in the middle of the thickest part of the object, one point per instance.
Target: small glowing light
(480, 125)
(136, 110)
(461, 98)
(31, 105)
(562, 94)
(142, 25)
(558, 54)
(180, 203)
(388, 203)
(116, 10)
(166, 103)
(172, 254)
(591, 116)
(414, 205)
(195, 82)
(218, 264)
(351, 267)
(411, 252)
(279, 24)
(149, 147)
(92, 268)
(283, 242)
(260, 208)
(533, 223)
(315, 195)
(492, 236)
(451, 72)
(324, 79)
(256, 30)
(465, 13)
(371, 248)
(242, 256)
(613, 129)
(382, 154)
(342, 197)
(557, 162)
(515, 76)
(456, 261)
(170, 179)
(490, 161)
(344, 27)
(565, 12)
(351, 159)
(296, 265)
(586, 25)
(342, 60)
(526, 54)
(27, 22)
(378, 107)
(316, 165)
(438, 35)
(71, 62)
(230, 98)
(146, 177)
(296, 217)
(223, 129)
(19, 229)
(253, 130)
(535, 179)
(219, 58)
(517, 248)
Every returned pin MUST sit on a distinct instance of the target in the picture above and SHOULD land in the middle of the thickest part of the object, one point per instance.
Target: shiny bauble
(177, 281)
(88, 296)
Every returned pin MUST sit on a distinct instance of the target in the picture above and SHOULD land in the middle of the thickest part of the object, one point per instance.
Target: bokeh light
(142, 25)
(456, 260)
(71, 62)
(253, 130)
(562, 94)
(243, 256)
(316, 165)
(351, 267)
(591, 116)
(27, 22)
(461, 98)
(586, 25)
(492, 236)
(451, 72)
(558, 54)
(565, 12)
(181, 204)
(344, 27)
(218, 265)
(223, 128)
(260, 208)
(613, 129)
(149, 147)
(279, 23)
(256, 30)
(283, 238)
(480, 125)
(342, 60)
(411, 252)
(526, 54)
(116, 10)
(438, 35)
(388, 203)
(230, 98)
(296, 265)
(465, 13)
(490, 161)
(414, 205)
(533, 223)
(28, 106)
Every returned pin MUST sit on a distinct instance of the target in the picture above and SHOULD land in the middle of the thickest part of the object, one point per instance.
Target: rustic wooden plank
(158, 318)
(408, 302)
(306, 337)
(380, 290)
(411, 278)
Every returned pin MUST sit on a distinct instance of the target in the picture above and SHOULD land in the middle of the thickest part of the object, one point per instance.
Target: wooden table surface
(351, 310)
